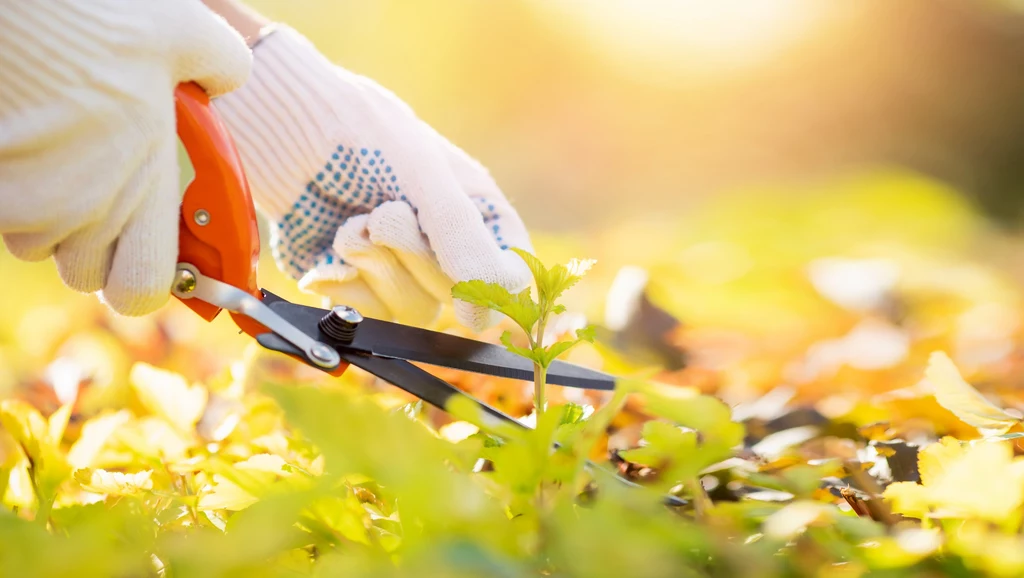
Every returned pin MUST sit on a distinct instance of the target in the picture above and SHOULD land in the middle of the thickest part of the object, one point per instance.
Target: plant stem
(702, 503)
(540, 376)
(45, 507)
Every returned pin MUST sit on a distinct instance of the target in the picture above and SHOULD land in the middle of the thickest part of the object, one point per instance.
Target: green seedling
(531, 315)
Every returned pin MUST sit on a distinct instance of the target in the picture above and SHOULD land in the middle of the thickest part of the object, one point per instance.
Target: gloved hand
(88, 143)
(369, 206)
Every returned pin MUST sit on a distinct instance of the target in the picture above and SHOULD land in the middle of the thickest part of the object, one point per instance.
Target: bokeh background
(821, 192)
(591, 112)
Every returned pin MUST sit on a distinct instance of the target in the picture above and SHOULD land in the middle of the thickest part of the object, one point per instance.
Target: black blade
(414, 344)
(385, 339)
(431, 389)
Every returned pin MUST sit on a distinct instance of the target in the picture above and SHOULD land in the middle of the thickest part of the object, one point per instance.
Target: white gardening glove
(369, 206)
(88, 143)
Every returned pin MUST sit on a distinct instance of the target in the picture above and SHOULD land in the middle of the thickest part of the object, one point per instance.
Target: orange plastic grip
(217, 231)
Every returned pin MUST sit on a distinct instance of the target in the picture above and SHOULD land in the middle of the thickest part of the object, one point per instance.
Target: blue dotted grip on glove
(352, 182)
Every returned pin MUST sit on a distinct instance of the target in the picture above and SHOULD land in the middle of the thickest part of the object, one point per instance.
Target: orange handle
(217, 229)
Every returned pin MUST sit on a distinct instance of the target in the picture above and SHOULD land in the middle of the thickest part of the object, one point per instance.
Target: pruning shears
(218, 253)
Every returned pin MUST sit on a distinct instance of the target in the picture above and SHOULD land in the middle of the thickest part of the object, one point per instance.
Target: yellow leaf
(25, 424)
(264, 463)
(94, 436)
(933, 460)
(167, 395)
(114, 483)
(986, 482)
(982, 481)
(154, 437)
(908, 498)
(19, 487)
(58, 422)
(225, 495)
(956, 395)
(32, 432)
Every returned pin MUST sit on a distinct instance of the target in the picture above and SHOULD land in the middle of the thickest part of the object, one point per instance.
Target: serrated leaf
(559, 348)
(557, 281)
(535, 265)
(588, 334)
(506, 340)
(553, 282)
(518, 307)
(965, 402)
(481, 293)
(554, 350)
(933, 460)
(573, 413)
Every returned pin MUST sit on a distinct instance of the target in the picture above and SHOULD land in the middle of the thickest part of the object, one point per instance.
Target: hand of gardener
(88, 148)
(369, 206)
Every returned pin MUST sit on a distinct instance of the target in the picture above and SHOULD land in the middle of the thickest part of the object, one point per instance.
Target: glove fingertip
(137, 300)
(27, 247)
(474, 317)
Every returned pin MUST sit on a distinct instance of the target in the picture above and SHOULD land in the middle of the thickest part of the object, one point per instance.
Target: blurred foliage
(813, 431)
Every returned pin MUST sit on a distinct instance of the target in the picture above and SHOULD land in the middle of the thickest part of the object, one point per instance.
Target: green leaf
(587, 334)
(572, 413)
(490, 295)
(519, 307)
(665, 444)
(704, 413)
(552, 352)
(537, 268)
(506, 340)
(551, 283)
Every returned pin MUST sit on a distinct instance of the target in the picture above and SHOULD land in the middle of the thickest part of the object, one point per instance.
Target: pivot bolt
(324, 356)
(341, 323)
(184, 281)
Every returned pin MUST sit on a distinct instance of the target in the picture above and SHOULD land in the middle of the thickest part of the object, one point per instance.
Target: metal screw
(202, 217)
(324, 356)
(347, 314)
(340, 324)
(184, 281)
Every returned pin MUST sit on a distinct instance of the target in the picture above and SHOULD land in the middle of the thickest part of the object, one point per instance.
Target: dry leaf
(965, 402)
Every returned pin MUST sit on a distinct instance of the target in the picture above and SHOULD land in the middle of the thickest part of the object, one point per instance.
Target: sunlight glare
(687, 35)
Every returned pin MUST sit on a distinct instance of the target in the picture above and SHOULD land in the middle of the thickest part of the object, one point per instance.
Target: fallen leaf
(965, 402)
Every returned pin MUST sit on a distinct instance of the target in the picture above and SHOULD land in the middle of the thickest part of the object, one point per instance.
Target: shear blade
(394, 340)
(413, 344)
